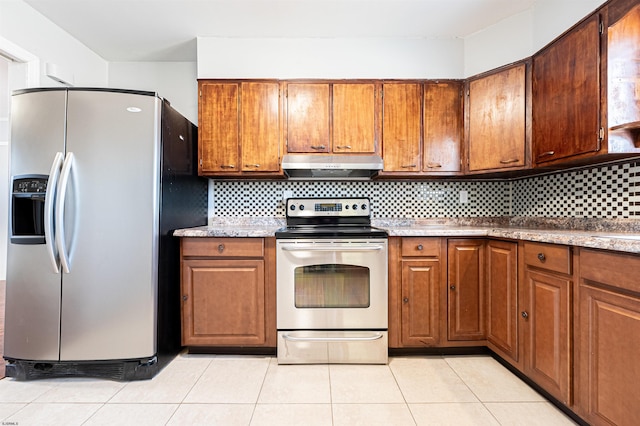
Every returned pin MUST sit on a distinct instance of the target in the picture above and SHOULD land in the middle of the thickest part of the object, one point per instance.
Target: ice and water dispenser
(27, 209)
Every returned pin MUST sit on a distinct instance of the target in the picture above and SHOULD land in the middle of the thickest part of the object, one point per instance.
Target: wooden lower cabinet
(502, 298)
(415, 277)
(466, 293)
(228, 292)
(608, 336)
(546, 318)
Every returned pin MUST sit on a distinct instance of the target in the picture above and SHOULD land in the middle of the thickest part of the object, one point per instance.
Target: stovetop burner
(329, 218)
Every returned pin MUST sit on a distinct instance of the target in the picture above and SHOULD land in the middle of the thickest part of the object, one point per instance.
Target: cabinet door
(354, 118)
(566, 95)
(623, 75)
(466, 290)
(223, 302)
(218, 127)
(401, 127)
(420, 301)
(608, 355)
(497, 120)
(308, 117)
(502, 308)
(443, 127)
(546, 318)
(260, 127)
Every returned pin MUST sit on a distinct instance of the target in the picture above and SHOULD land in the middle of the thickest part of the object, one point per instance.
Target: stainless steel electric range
(331, 283)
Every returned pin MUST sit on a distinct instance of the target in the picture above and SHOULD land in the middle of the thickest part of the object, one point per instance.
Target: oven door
(332, 284)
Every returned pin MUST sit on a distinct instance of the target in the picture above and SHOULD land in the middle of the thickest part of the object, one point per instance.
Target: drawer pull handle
(525, 315)
(408, 166)
(343, 146)
(318, 146)
(405, 300)
(256, 166)
(420, 247)
(227, 166)
(547, 154)
(434, 165)
(541, 257)
(220, 248)
(513, 160)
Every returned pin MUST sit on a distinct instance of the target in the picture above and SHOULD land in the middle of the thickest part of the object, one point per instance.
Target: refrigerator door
(111, 216)
(32, 312)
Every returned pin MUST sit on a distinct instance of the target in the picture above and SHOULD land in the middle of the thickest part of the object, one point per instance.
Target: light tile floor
(254, 390)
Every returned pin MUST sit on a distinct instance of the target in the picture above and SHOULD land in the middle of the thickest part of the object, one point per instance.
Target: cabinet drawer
(551, 257)
(615, 269)
(420, 247)
(223, 247)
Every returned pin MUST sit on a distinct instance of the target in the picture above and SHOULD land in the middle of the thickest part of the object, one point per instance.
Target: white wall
(334, 58)
(22, 25)
(174, 81)
(522, 35)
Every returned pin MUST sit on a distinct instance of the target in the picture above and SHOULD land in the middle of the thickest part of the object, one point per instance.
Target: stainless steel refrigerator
(99, 180)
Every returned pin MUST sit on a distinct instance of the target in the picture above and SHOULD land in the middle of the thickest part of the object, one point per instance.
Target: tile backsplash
(606, 191)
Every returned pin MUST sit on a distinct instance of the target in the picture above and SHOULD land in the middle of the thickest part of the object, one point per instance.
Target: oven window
(332, 286)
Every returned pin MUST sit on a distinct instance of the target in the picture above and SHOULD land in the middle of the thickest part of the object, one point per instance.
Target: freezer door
(32, 311)
(109, 295)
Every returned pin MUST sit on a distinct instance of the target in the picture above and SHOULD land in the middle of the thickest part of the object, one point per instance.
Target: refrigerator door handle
(63, 248)
(49, 203)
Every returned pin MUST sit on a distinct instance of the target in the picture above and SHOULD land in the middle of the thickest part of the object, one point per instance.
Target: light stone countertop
(614, 237)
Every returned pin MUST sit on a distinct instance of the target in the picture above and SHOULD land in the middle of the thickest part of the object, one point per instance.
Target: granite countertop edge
(624, 236)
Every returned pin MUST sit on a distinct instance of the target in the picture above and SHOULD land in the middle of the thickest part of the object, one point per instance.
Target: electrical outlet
(464, 197)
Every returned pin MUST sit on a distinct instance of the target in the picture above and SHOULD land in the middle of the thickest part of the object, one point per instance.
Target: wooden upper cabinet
(260, 126)
(443, 127)
(218, 127)
(623, 75)
(239, 128)
(566, 96)
(497, 120)
(308, 110)
(355, 118)
(401, 127)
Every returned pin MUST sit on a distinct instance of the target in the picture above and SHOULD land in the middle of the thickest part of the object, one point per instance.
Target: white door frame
(23, 72)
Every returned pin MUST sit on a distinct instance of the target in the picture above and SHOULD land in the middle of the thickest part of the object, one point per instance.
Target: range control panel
(318, 207)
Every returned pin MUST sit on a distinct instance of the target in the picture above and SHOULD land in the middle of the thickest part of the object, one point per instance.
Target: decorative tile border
(608, 191)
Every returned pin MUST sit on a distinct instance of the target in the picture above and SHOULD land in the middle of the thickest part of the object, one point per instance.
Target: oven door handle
(375, 336)
(314, 247)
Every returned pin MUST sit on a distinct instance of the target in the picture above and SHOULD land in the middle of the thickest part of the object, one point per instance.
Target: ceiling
(166, 30)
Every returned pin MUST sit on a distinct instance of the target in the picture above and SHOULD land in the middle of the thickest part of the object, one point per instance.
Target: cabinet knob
(420, 247)
(453, 287)
(220, 248)
(525, 315)
(405, 300)
(185, 297)
(541, 257)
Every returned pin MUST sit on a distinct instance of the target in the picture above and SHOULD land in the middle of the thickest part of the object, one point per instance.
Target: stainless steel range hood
(331, 167)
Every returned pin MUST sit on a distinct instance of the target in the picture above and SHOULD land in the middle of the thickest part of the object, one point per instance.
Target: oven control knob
(301, 206)
(292, 207)
(363, 207)
(355, 207)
